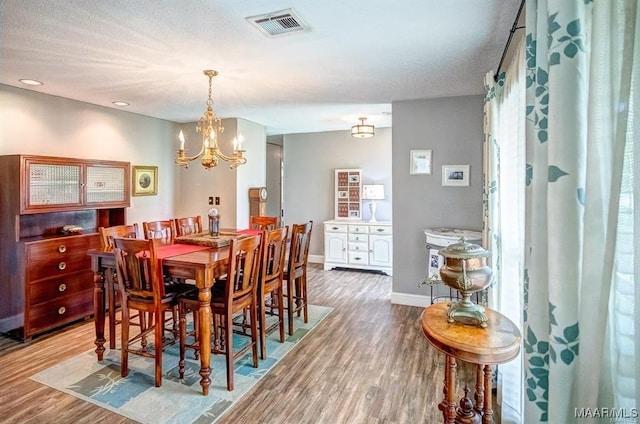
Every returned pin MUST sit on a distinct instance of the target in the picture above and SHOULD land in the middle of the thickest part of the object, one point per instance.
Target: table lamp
(373, 192)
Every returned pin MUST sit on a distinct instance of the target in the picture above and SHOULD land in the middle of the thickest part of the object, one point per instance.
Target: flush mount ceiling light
(120, 103)
(31, 82)
(362, 130)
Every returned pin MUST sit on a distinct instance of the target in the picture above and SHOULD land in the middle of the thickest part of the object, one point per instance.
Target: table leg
(450, 396)
(487, 418)
(98, 310)
(204, 333)
(479, 396)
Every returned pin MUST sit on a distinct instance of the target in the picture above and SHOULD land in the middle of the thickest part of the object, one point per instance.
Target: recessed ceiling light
(120, 103)
(30, 82)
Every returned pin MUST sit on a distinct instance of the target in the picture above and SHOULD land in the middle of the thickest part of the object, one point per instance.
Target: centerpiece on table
(214, 222)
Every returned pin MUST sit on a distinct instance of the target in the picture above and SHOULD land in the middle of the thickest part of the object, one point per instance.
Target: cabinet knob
(62, 248)
(62, 310)
(334, 228)
(62, 287)
(357, 229)
(357, 258)
(380, 230)
(62, 266)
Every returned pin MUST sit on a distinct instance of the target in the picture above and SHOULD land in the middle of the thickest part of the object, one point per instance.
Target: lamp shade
(373, 192)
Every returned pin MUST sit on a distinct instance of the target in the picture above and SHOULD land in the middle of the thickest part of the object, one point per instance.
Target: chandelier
(362, 130)
(211, 126)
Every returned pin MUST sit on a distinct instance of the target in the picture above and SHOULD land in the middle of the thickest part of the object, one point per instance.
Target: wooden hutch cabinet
(45, 275)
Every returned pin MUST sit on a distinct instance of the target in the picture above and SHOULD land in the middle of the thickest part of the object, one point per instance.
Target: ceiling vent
(278, 23)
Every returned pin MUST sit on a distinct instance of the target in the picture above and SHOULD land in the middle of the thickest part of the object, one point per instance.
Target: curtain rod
(514, 27)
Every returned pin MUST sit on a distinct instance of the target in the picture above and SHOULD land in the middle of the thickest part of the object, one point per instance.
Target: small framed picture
(145, 181)
(455, 175)
(420, 162)
(343, 194)
(354, 178)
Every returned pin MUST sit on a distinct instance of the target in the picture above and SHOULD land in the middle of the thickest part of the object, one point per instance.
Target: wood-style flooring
(367, 362)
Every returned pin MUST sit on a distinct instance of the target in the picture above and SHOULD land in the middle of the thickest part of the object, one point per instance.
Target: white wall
(35, 123)
(310, 160)
(452, 129)
(254, 173)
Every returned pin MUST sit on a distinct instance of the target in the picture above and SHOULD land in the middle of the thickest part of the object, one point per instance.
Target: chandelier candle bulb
(181, 137)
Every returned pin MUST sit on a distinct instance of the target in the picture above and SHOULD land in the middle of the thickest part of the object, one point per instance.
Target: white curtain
(504, 160)
(581, 267)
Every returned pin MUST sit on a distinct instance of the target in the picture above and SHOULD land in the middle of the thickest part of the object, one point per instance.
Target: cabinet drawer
(358, 238)
(359, 229)
(55, 287)
(380, 229)
(358, 258)
(60, 247)
(59, 311)
(358, 247)
(335, 228)
(57, 267)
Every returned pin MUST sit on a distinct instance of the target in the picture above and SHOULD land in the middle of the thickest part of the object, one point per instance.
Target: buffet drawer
(59, 311)
(359, 229)
(58, 266)
(55, 287)
(358, 247)
(363, 238)
(335, 228)
(60, 248)
(359, 258)
(380, 229)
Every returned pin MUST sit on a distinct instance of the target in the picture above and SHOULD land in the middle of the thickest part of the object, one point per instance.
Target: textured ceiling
(358, 57)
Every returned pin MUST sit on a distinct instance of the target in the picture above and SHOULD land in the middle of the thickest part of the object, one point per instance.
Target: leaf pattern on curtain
(579, 58)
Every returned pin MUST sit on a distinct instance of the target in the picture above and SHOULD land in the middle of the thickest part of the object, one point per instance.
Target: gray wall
(452, 129)
(310, 160)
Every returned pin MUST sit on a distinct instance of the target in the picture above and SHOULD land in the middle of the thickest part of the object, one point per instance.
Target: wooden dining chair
(234, 295)
(107, 234)
(142, 288)
(163, 230)
(270, 284)
(295, 273)
(188, 225)
(263, 222)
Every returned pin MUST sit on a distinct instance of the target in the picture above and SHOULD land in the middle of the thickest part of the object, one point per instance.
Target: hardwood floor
(367, 362)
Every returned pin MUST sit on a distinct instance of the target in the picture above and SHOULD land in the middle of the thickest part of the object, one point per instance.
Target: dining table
(199, 261)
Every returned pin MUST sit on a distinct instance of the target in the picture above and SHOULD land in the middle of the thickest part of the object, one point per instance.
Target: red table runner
(177, 249)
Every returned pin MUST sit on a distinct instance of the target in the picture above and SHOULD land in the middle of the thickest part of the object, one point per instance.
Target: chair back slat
(137, 268)
(244, 263)
(163, 230)
(274, 252)
(263, 222)
(107, 234)
(188, 225)
(299, 250)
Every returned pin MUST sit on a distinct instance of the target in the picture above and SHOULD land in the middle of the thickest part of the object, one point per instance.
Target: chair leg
(281, 314)
(263, 330)
(124, 342)
(254, 332)
(290, 305)
(305, 304)
(159, 335)
(229, 348)
(111, 300)
(183, 338)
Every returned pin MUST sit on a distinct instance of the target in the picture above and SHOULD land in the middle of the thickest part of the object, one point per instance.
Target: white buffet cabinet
(358, 245)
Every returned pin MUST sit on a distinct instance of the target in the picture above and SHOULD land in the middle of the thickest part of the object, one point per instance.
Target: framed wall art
(455, 175)
(420, 162)
(145, 181)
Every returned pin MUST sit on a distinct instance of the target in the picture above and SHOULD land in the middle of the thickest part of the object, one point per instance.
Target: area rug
(177, 401)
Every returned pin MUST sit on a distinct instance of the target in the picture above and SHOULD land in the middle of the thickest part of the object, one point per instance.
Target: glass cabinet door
(106, 184)
(51, 185)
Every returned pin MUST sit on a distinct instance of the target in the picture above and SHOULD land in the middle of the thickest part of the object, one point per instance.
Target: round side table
(497, 344)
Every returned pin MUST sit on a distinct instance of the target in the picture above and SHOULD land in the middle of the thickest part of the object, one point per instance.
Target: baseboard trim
(315, 259)
(410, 299)
(11, 323)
